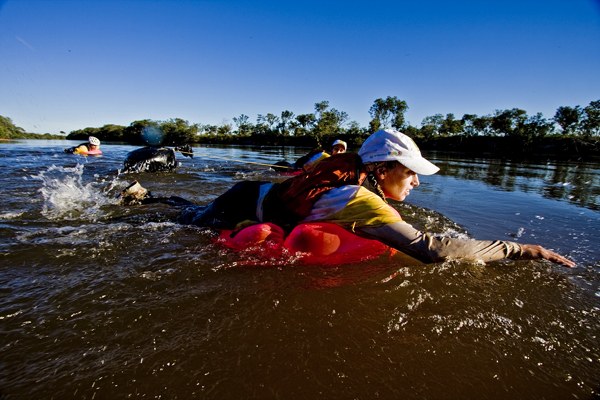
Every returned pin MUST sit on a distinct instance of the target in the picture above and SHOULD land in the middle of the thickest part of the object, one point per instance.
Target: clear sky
(71, 64)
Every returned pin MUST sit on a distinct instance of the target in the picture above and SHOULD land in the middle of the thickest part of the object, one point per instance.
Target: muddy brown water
(103, 302)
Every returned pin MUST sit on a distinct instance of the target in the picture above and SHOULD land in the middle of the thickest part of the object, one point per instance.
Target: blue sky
(71, 64)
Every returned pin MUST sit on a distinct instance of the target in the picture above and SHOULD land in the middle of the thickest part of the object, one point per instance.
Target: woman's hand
(535, 252)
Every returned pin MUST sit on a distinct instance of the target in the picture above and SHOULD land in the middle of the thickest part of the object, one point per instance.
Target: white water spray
(67, 197)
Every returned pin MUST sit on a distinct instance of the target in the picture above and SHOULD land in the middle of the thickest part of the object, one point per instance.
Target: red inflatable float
(91, 152)
(80, 150)
(316, 243)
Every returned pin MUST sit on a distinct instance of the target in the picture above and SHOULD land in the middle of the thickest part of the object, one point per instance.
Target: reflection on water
(102, 301)
(576, 182)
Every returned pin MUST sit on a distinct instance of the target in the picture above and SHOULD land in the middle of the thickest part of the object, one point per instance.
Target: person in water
(339, 146)
(310, 159)
(93, 145)
(304, 163)
(350, 190)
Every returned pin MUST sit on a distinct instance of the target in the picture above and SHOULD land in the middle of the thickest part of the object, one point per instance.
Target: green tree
(323, 124)
(294, 126)
(269, 120)
(83, 134)
(450, 126)
(591, 121)
(430, 126)
(243, 124)
(534, 127)
(320, 108)
(354, 129)
(133, 133)
(284, 125)
(329, 125)
(306, 123)
(412, 131)
(178, 131)
(224, 129)
(386, 113)
(483, 125)
(569, 118)
(468, 122)
(375, 125)
(111, 132)
(505, 122)
(265, 128)
(8, 130)
(210, 130)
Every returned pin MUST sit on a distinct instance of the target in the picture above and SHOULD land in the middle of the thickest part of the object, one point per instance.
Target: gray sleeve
(427, 248)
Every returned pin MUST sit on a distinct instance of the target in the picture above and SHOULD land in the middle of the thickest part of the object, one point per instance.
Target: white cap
(340, 142)
(94, 140)
(391, 145)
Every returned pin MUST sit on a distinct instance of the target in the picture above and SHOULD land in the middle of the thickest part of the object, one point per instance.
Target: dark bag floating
(154, 159)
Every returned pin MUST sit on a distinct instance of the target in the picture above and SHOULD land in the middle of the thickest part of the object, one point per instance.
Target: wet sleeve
(427, 248)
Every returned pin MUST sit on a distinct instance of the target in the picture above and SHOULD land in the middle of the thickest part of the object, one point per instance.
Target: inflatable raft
(89, 152)
(322, 243)
(83, 151)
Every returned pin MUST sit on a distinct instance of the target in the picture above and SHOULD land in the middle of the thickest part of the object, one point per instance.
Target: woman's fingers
(535, 252)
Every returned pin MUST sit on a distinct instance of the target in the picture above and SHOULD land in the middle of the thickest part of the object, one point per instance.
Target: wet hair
(373, 180)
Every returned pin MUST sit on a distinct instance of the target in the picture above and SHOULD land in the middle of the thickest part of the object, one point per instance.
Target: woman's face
(397, 182)
(338, 148)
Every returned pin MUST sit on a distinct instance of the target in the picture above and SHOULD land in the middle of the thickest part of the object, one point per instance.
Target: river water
(101, 301)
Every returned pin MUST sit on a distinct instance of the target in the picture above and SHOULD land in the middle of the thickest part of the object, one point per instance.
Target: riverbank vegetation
(572, 131)
(9, 131)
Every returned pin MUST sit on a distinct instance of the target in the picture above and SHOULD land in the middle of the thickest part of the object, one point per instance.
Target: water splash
(67, 197)
(11, 215)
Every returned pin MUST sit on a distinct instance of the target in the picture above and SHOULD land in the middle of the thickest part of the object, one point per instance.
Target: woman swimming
(350, 190)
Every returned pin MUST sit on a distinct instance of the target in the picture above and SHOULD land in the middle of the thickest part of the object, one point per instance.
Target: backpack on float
(290, 201)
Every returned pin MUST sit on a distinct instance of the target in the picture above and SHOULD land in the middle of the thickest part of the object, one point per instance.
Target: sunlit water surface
(101, 301)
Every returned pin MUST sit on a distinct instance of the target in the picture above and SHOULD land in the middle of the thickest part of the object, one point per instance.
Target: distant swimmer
(349, 190)
(92, 147)
(338, 147)
(304, 163)
(310, 159)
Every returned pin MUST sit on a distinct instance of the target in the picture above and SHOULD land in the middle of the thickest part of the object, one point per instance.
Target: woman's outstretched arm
(427, 248)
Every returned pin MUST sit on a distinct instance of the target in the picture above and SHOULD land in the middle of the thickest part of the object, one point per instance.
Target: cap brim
(421, 166)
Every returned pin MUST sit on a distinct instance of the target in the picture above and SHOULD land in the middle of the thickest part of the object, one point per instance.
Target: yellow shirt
(353, 207)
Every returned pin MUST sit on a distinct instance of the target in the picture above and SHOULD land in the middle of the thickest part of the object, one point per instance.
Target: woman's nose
(416, 180)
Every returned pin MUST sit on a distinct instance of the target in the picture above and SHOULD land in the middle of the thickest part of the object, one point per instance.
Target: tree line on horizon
(9, 131)
(326, 124)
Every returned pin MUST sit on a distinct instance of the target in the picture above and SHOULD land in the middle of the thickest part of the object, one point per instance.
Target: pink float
(87, 153)
(316, 243)
(92, 152)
